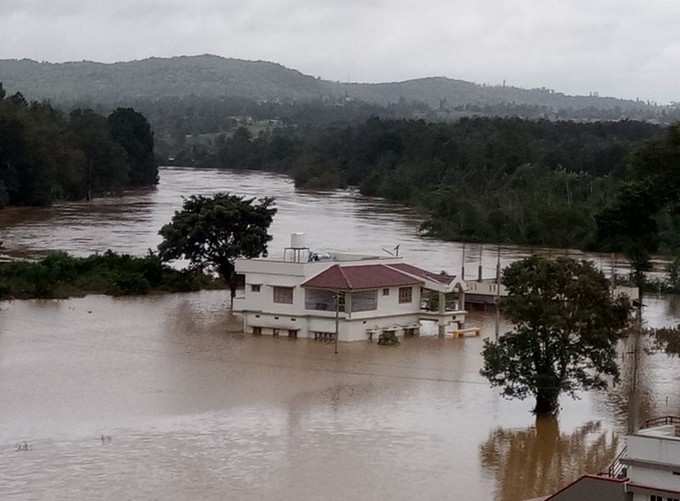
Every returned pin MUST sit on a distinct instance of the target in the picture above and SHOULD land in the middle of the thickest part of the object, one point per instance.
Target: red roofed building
(296, 296)
(361, 277)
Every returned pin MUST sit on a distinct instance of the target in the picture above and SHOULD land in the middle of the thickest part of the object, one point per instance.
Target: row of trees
(46, 155)
(496, 179)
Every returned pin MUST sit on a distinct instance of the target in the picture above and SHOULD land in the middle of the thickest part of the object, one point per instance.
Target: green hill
(210, 76)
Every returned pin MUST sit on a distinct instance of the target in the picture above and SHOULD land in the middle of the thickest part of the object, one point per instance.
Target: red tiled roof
(367, 276)
(442, 278)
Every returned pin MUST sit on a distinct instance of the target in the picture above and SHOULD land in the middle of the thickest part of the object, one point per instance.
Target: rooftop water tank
(297, 240)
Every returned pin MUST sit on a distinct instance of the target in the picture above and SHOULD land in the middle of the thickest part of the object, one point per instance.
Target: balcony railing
(660, 421)
(617, 469)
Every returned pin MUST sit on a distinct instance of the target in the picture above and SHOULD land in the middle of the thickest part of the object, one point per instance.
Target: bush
(130, 284)
(61, 275)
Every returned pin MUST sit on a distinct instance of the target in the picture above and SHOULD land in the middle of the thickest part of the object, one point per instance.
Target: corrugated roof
(368, 276)
(442, 278)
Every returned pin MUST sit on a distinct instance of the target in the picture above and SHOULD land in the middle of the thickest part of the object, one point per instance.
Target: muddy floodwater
(162, 397)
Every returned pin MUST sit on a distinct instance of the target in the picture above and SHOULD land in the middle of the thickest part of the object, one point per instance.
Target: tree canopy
(47, 156)
(501, 179)
(132, 131)
(566, 325)
(212, 231)
(643, 214)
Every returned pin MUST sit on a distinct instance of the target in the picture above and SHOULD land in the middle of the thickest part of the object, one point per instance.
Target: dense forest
(479, 179)
(46, 155)
(191, 101)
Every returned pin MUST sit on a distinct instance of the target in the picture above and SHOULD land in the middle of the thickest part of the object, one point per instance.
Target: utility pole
(479, 268)
(337, 319)
(498, 292)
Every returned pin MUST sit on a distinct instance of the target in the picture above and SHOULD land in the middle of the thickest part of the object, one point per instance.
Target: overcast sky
(624, 48)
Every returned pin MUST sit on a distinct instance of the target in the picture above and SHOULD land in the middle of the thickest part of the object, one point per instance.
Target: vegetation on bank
(490, 180)
(59, 275)
(46, 155)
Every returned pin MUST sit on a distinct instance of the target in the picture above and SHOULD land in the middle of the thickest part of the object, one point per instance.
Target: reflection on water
(529, 463)
(197, 410)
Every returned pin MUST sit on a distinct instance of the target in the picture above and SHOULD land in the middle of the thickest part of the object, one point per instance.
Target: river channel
(161, 397)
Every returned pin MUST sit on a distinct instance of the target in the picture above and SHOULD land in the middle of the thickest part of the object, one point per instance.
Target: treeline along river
(196, 410)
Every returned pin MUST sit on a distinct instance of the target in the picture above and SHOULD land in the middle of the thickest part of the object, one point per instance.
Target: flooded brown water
(195, 410)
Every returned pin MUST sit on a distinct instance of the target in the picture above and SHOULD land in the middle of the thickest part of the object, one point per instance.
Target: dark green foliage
(566, 326)
(652, 196)
(132, 131)
(388, 339)
(47, 156)
(61, 275)
(211, 232)
(501, 180)
(666, 339)
(186, 97)
(130, 284)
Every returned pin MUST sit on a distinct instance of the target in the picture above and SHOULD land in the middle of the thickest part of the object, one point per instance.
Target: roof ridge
(349, 284)
(405, 273)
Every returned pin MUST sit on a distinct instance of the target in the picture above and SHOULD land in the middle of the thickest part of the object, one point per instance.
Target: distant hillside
(212, 76)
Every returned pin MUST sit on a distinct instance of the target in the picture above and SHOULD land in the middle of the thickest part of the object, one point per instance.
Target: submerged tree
(211, 232)
(566, 326)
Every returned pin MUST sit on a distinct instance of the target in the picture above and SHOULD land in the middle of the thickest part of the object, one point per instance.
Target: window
(386, 292)
(283, 295)
(255, 287)
(405, 294)
(365, 301)
(323, 300)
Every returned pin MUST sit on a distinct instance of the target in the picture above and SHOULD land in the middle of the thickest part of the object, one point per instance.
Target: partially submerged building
(648, 469)
(310, 294)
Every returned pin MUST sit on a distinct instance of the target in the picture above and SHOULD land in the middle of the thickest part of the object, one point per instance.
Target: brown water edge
(197, 410)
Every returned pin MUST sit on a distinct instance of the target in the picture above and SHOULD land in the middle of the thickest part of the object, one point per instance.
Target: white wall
(664, 450)
(261, 311)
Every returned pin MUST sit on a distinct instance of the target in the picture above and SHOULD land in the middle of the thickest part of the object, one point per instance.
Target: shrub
(130, 284)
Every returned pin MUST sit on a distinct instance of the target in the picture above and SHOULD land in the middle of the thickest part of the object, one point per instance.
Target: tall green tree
(630, 223)
(132, 131)
(566, 325)
(106, 161)
(211, 232)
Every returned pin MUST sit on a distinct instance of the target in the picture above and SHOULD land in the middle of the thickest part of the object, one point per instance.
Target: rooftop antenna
(394, 252)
